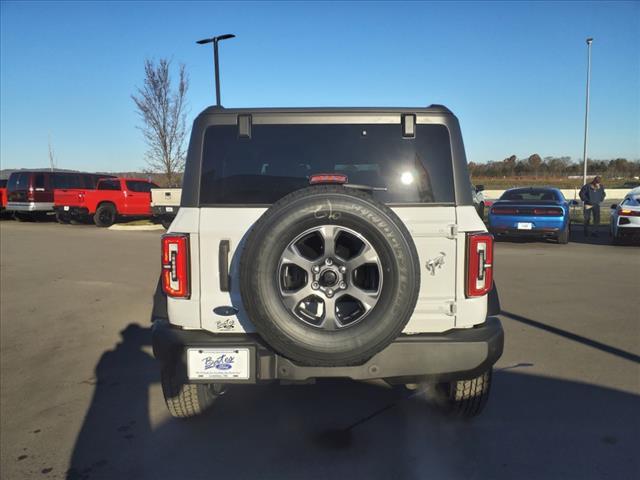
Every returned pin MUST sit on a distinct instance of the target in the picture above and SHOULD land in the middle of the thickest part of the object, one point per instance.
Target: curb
(121, 226)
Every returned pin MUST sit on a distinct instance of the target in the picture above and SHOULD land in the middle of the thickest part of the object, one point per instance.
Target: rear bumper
(628, 230)
(540, 225)
(30, 206)
(534, 232)
(457, 354)
(72, 211)
(164, 210)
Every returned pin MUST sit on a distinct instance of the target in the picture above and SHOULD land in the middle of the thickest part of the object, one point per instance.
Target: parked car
(540, 212)
(625, 217)
(478, 199)
(3, 195)
(165, 203)
(112, 198)
(30, 192)
(303, 250)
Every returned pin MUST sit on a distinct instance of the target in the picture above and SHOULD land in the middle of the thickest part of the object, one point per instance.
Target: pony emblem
(434, 263)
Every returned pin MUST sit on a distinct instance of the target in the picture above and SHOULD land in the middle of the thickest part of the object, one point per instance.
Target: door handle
(223, 265)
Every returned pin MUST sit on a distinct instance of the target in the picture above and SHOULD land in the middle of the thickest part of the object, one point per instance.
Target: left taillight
(479, 264)
(628, 213)
(175, 265)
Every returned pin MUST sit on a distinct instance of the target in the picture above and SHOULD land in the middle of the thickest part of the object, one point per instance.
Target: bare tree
(163, 112)
(52, 159)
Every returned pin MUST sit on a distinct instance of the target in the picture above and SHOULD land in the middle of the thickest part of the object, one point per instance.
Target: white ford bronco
(327, 242)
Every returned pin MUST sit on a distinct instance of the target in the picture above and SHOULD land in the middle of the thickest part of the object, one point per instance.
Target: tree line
(537, 166)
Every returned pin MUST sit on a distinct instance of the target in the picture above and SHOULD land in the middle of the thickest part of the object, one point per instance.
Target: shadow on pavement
(577, 236)
(118, 416)
(534, 427)
(572, 336)
(602, 238)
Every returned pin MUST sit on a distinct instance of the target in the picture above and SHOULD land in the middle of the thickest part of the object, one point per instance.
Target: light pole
(215, 41)
(586, 113)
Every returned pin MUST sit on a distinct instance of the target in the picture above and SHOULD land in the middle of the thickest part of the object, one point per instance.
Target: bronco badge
(435, 263)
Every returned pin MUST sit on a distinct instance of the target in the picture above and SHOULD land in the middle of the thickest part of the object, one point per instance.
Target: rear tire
(186, 400)
(563, 238)
(62, 218)
(465, 398)
(105, 215)
(166, 222)
(22, 217)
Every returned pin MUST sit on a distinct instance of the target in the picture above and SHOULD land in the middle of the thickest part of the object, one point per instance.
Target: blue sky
(514, 73)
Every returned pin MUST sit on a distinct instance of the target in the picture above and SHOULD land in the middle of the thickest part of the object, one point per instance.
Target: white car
(625, 217)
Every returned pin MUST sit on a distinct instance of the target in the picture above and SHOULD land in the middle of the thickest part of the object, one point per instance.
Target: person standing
(592, 195)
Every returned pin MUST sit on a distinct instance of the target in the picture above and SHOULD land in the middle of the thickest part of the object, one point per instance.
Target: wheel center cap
(328, 278)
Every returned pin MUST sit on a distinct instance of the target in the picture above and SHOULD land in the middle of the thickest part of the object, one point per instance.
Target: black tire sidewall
(103, 208)
(563, 238)
(311, 208)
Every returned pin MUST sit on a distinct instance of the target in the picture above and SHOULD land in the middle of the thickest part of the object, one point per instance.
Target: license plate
(169, 209)
(525, 226)
(65, 208)
(218, 363)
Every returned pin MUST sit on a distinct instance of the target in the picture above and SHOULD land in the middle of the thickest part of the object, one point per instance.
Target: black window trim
(317, 118)
(435, 114)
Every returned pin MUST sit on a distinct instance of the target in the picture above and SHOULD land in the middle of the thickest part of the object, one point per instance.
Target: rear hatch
(250, 163)
(161, 197)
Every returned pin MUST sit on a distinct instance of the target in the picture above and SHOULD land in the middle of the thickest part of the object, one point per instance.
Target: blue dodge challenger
(542, 212)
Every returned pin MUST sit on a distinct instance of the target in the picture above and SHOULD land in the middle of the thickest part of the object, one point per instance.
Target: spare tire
(329, 276)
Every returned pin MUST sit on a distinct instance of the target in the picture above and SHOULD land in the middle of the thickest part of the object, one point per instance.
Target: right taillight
(549, 212)
(175, 265)
(479, 264)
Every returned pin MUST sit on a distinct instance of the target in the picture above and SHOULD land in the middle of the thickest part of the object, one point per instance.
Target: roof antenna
(215, 41)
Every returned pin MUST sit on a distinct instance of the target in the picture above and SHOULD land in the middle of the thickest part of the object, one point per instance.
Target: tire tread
(467, 398)
(184, 400)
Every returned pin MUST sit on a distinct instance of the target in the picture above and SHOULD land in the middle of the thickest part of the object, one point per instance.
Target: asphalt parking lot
(80, 397)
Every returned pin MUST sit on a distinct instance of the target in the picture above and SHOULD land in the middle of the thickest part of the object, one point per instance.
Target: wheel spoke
(366, 298)
(292, 299)
(367, 255)
(330, 321)
(292, 255)
(329, 234)
(325, 304)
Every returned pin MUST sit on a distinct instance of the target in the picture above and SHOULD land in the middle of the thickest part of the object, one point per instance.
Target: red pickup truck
(112, 198)
(3, 195)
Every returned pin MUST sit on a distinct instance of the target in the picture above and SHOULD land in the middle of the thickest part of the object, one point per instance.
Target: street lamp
(586, 113)
(215, 41)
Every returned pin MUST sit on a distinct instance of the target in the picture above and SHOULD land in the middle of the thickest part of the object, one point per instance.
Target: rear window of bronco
(278, 159)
